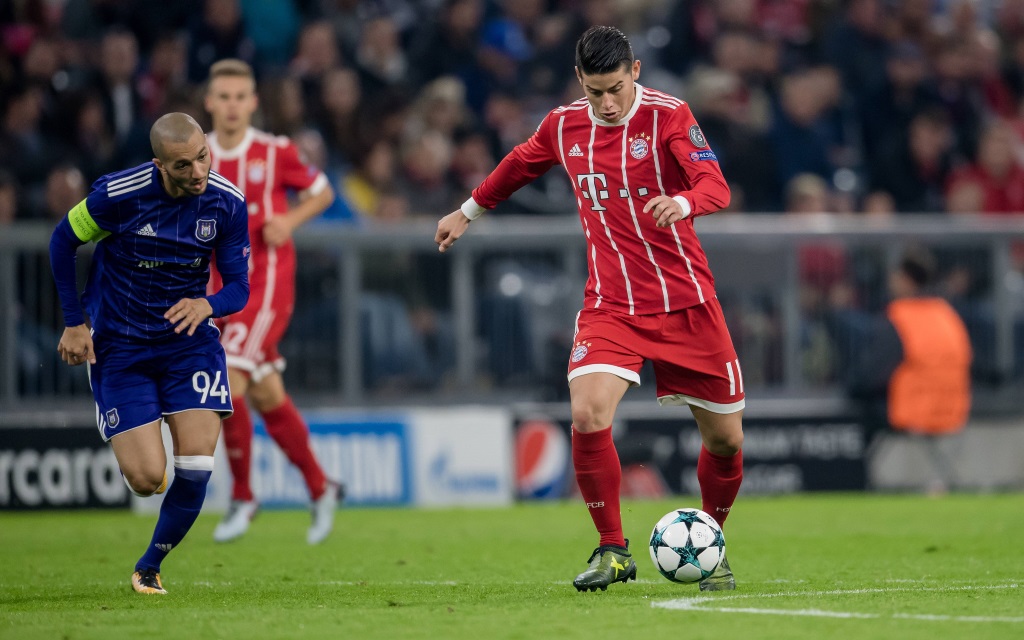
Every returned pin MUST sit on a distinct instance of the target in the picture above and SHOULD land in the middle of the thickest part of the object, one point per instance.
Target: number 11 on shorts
(217, 389)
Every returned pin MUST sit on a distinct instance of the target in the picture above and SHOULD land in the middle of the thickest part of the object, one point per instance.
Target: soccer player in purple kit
(150, 344)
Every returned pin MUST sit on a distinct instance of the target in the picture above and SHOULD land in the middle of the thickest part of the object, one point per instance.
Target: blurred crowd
(846, 107)
(897, 105)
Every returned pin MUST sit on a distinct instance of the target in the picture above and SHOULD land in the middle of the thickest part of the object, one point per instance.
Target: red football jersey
(656, 149)
(265, 167)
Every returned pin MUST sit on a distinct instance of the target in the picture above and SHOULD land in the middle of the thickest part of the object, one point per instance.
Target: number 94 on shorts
(135, 384)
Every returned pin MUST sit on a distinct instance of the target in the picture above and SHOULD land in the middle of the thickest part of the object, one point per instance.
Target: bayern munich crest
(639, 146)
(580, 351)
(206, 229)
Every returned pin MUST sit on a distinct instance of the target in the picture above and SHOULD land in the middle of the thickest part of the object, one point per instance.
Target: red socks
(238, 443)
(289, 431)
(599, 475)
(719, 478)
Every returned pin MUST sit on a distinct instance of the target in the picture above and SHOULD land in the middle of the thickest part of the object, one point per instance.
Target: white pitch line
(707, 604)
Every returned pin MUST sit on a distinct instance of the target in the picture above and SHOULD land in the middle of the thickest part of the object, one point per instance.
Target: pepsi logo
(542, 459)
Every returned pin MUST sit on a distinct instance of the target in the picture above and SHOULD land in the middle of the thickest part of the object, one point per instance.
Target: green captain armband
(84, 226)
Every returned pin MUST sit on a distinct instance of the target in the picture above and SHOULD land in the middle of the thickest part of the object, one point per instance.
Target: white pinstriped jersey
(656, 149)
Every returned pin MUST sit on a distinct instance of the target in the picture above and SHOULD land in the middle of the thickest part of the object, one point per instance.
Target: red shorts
(694, 359)
(250, 338)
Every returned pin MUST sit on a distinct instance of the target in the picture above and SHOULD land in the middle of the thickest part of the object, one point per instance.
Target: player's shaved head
(172, 128)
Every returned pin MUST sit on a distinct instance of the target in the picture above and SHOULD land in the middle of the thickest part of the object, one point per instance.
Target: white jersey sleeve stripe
(111, 187)
(659, 103)
(225, 185)
(125, 179)
(561, 149)
(134, 187)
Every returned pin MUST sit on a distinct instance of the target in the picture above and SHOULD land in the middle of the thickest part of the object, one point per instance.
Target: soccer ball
(687, 545)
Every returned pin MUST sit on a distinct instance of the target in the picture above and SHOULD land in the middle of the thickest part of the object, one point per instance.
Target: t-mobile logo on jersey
(594, 189)
(595, 505)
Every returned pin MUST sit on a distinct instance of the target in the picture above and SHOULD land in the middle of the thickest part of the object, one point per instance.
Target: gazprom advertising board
(425, 457)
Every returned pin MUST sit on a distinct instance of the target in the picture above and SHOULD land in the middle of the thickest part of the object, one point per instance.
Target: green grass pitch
(817, 566)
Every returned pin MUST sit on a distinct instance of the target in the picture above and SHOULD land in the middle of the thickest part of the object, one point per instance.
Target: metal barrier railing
(504, 298)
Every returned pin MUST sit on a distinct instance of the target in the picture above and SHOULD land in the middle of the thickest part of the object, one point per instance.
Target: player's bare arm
(450, 228)
(279, 229)
(666, 210)
(188, 314)
(75, 346)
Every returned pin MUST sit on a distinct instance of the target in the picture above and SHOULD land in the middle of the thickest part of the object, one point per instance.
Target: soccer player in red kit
(265, 168)
(642, 172)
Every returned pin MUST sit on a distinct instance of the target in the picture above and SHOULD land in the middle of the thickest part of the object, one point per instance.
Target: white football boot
(323, 512)
(236, 520)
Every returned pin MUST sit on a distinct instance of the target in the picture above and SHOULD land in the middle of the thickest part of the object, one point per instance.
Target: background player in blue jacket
(150, 344)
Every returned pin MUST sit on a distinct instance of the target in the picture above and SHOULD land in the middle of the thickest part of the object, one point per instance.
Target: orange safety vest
(930, 391)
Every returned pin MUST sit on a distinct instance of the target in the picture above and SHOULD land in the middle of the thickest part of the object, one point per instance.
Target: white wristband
(685, 204)
(471, 209)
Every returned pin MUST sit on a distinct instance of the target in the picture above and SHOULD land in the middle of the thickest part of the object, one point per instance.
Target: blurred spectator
(425, 160)
(316, 54)
(911, 369)
(959, 90)
(994, 183)
(26, 150)
(860, 28)
(122, 102)
(374, 173)
(441, 107)
(505, 44)
(8, 198)
(166, 72)
(381, 61)
(215, 33)
(719, 103)
(801, 135)
(906, 91)
(340, 118)
(473, 160)
(313, 150)
(913, 169)
(447, 45)
(283, 106)
(272, 25)
(823, 271)
(65, 188)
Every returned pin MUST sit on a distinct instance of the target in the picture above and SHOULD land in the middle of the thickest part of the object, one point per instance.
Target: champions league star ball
(687, 545)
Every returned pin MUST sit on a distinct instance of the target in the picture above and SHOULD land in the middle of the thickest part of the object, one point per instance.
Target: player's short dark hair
(918, 264)
(603, 50)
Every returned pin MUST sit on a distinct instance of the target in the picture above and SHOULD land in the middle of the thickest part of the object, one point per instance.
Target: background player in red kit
(265, 167)
(642, 171)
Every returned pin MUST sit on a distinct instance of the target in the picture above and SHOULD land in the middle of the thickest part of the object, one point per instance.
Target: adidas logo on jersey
(575, 151)
(147, 231)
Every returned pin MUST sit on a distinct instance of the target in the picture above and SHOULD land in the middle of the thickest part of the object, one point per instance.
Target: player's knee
(589, 417)
(264, 402)
(726, 443)
(266, 397)
(145, 482)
